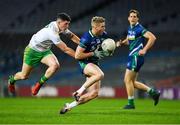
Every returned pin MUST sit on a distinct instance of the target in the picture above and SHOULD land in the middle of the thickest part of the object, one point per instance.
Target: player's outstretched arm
(80, 54)
(122, 42)
(75, 38)
(66, 49)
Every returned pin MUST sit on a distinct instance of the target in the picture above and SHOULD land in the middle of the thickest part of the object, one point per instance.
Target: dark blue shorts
(135, 62)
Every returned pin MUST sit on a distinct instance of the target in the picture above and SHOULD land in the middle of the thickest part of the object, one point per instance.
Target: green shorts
(32, 57)
(83, 64)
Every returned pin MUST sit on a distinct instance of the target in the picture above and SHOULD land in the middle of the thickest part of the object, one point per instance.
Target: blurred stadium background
(20, 19)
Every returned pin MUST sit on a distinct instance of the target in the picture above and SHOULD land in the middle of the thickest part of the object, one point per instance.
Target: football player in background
(135, 39)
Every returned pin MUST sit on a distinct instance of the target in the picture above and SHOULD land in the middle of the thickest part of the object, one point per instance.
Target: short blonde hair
(96, 20)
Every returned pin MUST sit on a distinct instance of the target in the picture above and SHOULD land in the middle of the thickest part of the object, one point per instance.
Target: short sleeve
(83, 42)
(55, 38)
(142, 30)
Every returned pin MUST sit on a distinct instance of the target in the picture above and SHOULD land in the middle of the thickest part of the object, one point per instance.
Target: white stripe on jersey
(141, 45)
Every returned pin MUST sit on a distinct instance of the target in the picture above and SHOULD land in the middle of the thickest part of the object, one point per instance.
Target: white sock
(72, 104)
(81, 90)
(130, 97)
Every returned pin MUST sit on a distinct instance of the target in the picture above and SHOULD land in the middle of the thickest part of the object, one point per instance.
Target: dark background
(20, 19)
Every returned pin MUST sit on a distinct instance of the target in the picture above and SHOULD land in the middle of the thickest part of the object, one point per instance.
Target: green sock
(43, 79)
(11, 79)
(151, 92)
(130, 101)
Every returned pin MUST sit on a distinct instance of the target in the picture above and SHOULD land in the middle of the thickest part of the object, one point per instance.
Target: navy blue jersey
(136, 38)
(90, 42)
(136, 41)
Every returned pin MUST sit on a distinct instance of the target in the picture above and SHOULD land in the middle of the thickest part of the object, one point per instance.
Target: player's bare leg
(53, 65)
(92, 93)
(92, 83)
(94, 74)
(140, 85)
(129, 80)
(26, 69)
(155, 94)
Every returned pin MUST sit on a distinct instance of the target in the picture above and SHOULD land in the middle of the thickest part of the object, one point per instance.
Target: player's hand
(98, 53)
(108, 53)
(142, 52)
(119, 43)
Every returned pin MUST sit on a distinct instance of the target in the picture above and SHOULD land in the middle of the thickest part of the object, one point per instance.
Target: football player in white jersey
(39, 51)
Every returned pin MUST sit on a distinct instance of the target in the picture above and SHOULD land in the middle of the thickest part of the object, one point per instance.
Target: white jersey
(43, 39)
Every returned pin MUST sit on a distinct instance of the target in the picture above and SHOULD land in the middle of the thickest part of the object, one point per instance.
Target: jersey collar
(134, 25)
(90, 32)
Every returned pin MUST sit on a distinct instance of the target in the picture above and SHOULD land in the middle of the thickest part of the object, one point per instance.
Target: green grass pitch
(99, 111)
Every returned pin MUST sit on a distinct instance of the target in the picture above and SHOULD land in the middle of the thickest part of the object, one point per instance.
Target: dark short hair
(63, 16)
(134, 11)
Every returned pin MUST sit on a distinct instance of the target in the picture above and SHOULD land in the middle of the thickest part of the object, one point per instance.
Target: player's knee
(100, 75)
(126, 80)
(55, 67)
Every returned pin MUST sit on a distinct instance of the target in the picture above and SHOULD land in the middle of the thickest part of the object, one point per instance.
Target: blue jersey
(90, 42)
(135, 38)
(136, 41)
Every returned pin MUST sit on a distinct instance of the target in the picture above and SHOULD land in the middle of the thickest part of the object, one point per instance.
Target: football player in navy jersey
(88, 53)
(137, 49)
